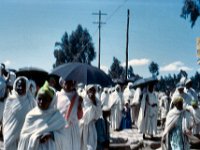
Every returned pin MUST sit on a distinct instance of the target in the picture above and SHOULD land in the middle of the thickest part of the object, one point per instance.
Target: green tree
(77, 47)
(196, 81)
(116, 70)
(154, 68)
(191, 9)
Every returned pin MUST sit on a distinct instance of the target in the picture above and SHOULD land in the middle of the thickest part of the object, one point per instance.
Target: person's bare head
(69, 85)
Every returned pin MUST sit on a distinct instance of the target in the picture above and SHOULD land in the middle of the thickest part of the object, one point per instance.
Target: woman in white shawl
(177, 127)
(115, 103)
(128, 95)
(104, 97)
(17, 105)
(44, 125)
(91, 112)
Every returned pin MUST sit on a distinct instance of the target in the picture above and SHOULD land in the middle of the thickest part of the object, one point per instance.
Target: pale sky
(30, 28)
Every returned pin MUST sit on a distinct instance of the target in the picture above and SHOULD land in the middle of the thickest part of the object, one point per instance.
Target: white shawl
(39, 123)
(88, 130)
(16, 108)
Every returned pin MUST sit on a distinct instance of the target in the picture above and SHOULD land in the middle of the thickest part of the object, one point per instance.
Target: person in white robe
(128, 95)
(44, 126)
(177, 127)
(115, 103)
(190, 91)
(69, 104)
(164, 107)
(195, 112)
(10, 81)
(179, 92)
(147, 119)
(4, 73)
(105, 98)
(91, 113)
(137, 98)
(17, 105)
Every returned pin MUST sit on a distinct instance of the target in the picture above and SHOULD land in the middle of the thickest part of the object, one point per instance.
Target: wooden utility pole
(127, 38)
(99, 26)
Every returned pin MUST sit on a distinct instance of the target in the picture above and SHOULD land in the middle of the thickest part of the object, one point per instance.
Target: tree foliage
(116, 70)
(77, 47)
(168, 83)
(154, 69)
(191, 9)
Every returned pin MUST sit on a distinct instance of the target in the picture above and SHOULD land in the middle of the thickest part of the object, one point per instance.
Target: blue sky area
(30, 28)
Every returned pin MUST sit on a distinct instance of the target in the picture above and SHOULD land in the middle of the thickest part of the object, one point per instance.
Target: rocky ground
(130, 139)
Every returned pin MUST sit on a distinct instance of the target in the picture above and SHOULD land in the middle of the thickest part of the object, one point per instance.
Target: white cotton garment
(72, 129)
(39, 123)
(15, 110)
(91, 113)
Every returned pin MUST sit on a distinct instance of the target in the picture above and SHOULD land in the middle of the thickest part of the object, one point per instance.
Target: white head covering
(51, 91)
(130, 84)
(105, 89)
(118, 86)
(61, 81)
(89, 86)
(128, 93)
(188, 81)
(183, 80)
(14, 92)
(33, 87)
(180, 86)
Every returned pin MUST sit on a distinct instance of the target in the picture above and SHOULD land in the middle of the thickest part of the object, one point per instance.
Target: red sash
(70, 107)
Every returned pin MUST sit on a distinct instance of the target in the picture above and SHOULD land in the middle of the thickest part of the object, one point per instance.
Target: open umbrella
(33, 73)
(82, 73)
(145, 81)
(139, 82)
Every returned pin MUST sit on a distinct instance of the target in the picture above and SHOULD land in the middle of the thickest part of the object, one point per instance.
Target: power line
(113, 13)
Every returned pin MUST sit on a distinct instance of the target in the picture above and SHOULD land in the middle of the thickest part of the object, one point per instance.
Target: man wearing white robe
(190, 91)
(17, 105)
(179, 92)
(147, 120)
(91, 112)
(69, 104)
(115, 103)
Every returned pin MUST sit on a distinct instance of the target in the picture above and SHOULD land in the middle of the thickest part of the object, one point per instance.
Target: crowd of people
(81, 117)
